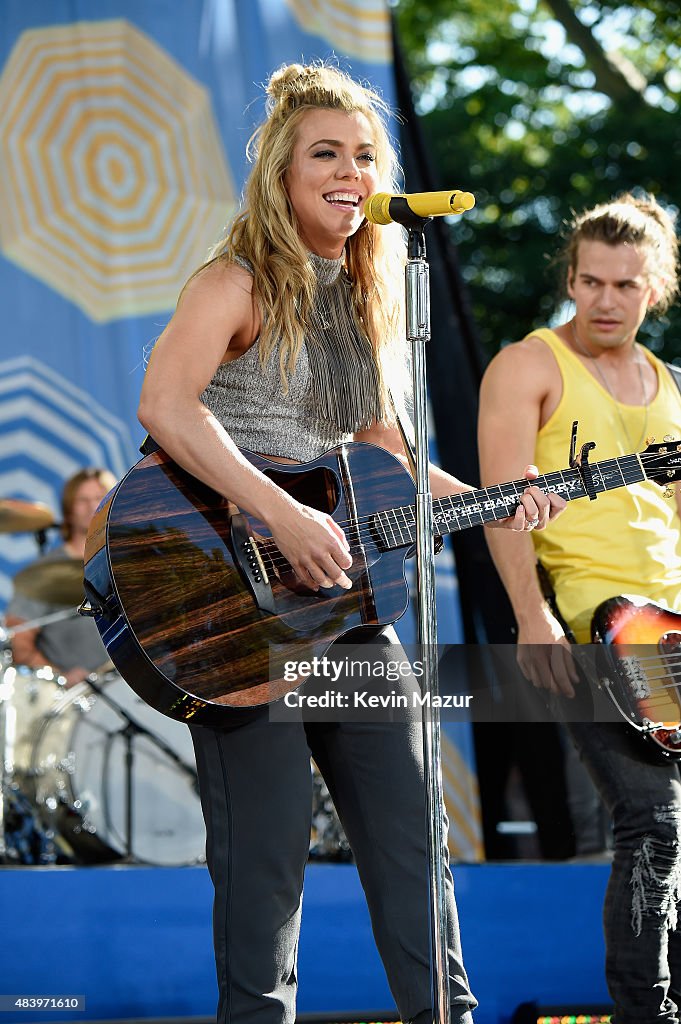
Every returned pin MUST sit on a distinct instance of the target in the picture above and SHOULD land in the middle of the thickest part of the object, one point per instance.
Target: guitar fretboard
(396, 527)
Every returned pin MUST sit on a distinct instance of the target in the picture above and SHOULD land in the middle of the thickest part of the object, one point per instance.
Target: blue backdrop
(123, 126)
(122, 140)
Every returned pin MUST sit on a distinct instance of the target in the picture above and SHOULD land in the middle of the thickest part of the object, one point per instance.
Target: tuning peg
(650, 440)
(669, 437)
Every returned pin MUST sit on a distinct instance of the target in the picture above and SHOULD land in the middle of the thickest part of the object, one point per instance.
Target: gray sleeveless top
(333, 391)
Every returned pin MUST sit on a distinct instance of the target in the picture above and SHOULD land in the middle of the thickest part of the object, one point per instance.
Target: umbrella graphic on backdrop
(358, 28)
(113, 179)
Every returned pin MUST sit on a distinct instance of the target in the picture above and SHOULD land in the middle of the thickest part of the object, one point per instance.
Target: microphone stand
(418, 333)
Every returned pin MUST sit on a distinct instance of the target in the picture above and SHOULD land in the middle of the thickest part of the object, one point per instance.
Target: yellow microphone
(382, 207)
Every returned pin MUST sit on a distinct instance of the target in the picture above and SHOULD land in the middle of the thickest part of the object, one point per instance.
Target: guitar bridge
(248, 558)
(635, 677)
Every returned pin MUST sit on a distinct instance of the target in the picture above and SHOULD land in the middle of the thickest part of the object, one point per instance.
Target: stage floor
(136, 943)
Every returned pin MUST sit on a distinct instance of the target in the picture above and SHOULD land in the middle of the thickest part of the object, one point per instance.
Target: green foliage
(538, 117)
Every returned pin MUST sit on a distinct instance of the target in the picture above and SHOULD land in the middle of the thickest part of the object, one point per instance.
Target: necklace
(599, 370)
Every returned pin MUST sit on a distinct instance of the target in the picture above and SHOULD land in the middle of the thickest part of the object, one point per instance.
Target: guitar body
(202, 615)
(198, 610)
(642, 667)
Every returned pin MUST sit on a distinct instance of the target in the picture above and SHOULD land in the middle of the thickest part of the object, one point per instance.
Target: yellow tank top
(627, 541)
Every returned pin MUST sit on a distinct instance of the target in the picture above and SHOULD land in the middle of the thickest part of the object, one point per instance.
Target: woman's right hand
(313, 543)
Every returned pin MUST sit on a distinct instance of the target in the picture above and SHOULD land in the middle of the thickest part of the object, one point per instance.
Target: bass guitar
(640, 666)
(200, 612)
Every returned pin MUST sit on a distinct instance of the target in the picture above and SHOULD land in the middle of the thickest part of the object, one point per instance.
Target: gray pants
(256, 795)
(642, 937)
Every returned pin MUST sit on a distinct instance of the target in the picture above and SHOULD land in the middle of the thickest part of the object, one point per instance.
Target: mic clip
(401, 213)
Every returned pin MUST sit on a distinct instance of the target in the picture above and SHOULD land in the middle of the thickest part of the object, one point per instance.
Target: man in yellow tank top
(621, 264)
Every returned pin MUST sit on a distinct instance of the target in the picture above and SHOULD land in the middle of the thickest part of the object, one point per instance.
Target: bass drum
(79, 773)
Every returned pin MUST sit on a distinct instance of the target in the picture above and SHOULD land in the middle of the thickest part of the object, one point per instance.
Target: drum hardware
(68, 793)
(70, 765)
(25, 837)
(34, 691)
(26, 841)
(43, 620)
(327, 838)
(4, 782)
(41, 535)
(16, 516)
(129, 731)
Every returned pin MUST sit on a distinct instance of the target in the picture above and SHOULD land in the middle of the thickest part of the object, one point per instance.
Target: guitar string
(364, 527)
(672, 661)
(659, 656)
(357, 539)
(518, 487)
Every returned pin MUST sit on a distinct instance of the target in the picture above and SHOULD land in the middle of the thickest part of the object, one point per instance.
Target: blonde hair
(639, 222)
(265, 231)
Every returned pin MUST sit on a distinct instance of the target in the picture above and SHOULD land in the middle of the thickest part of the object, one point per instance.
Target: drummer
(71, 646)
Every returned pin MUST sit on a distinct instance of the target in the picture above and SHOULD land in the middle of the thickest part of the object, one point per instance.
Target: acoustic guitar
(200, 612)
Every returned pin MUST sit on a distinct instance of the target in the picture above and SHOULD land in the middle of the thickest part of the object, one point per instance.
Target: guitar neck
(397, 526)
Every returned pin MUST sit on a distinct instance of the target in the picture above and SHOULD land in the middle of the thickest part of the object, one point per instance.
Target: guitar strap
(550, 596)
(675, 373)
(407, 433)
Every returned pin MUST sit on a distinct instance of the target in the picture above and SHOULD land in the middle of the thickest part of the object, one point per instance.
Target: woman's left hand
(536, 510)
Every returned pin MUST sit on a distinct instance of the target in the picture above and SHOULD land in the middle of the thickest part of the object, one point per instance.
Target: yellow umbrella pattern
(358, 28)
(113, 178)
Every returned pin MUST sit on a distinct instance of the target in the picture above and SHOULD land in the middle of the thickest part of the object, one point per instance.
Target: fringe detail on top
(344, 379)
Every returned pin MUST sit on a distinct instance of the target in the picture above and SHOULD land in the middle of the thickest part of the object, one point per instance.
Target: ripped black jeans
(642, 931)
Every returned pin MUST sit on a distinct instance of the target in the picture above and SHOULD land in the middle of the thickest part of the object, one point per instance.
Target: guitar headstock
(662, 461)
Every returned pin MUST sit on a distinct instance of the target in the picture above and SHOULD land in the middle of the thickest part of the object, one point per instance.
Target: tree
(540, 107)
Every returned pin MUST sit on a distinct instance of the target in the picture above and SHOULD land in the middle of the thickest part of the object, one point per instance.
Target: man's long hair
(103, 476)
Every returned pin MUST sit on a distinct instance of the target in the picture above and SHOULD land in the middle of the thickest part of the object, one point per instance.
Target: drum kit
(89, 774)
(327, 838)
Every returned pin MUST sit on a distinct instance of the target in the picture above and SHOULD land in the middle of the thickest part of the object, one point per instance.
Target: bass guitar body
(641, 667)
(199, 611)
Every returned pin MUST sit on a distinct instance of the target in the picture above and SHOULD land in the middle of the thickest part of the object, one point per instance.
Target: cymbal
(56, 582)
(24, 516)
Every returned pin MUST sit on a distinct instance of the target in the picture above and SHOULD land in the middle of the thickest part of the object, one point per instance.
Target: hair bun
(288, 81)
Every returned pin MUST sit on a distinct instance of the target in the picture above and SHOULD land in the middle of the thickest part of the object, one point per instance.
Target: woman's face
(332, 172)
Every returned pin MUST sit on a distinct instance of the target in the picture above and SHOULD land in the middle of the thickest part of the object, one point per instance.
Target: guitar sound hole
(315, 487)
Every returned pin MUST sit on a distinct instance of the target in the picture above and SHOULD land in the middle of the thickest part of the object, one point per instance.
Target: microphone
(382, 208)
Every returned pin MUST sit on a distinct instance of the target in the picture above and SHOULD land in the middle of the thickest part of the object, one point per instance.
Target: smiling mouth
(344, 199)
